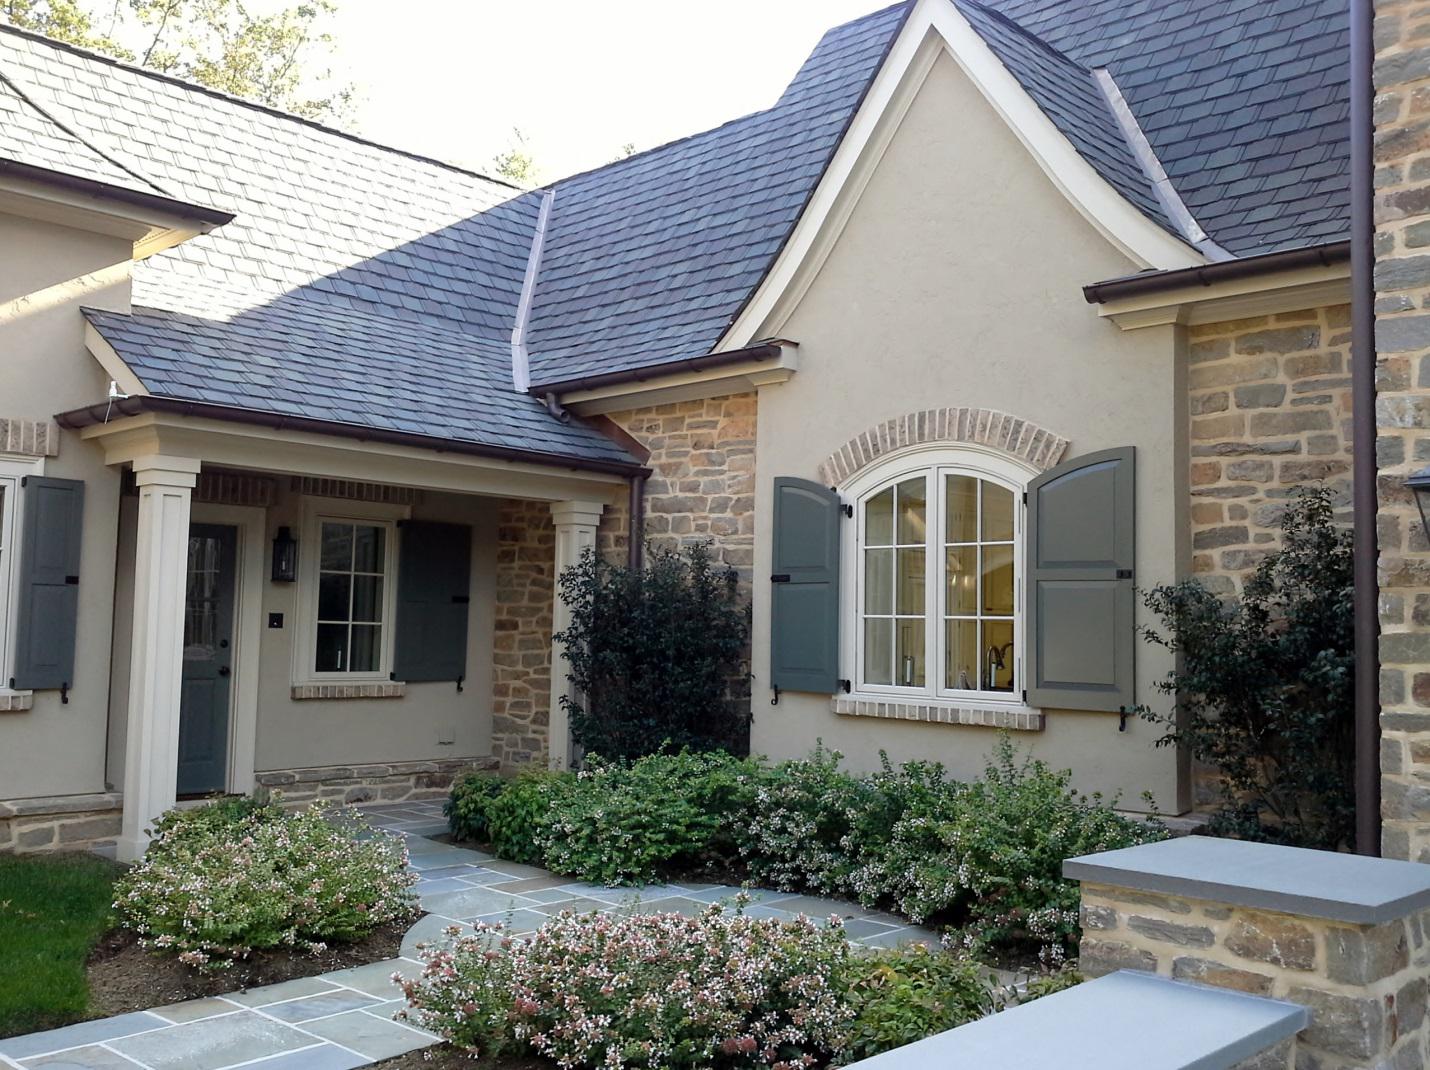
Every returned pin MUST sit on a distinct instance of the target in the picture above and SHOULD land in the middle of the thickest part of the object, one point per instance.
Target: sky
(453, 78)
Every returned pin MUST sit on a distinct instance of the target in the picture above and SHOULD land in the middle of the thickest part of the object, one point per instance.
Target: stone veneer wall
(1365, 985)
(59, 823)
(389, 782)
(1402, 281)
(1270, 409)
(521, 655)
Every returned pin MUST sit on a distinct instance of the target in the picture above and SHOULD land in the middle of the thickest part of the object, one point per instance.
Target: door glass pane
(961, 654)
(367, 548)
(332, 648)
(878, 581)
(997, 513)
(337, 548)
(998, 637)
(366, 652)
(911, 581)
(909, 655)
(878, 651)
(998, 579)
(962, 563)
(201, 598)
(879, 519)
(913, 511)
(962, 509)
(333, 594)
(367, 598)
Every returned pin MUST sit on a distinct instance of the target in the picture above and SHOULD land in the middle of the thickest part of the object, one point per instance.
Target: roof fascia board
(113, 364)
(722, 381)
(933, 27)
(1260, 295)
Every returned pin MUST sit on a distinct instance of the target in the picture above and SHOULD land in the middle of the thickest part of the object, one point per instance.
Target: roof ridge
(1023, 31)
(218, 94)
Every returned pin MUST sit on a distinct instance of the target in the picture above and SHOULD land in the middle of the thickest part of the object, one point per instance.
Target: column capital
(157, 469)
(577, 513)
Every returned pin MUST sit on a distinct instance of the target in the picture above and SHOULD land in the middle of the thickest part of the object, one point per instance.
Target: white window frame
(13, 469)
(934, 462)
(315, 512)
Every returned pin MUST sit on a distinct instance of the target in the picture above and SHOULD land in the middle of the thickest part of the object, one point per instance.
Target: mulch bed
(124, 977)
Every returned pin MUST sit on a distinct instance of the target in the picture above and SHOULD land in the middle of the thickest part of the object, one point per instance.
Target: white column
(151, 753)
(575, 532)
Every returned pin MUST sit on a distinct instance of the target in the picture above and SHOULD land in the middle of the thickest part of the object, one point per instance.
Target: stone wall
(521, 655)
(1402, 280)
(59, 823)
(1365, 985)
(351, 784)
(1270, 408)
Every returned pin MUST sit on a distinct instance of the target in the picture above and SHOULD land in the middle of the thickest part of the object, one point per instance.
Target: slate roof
(380, 288)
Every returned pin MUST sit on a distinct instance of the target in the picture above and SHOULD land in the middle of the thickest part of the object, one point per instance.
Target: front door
(208, 659)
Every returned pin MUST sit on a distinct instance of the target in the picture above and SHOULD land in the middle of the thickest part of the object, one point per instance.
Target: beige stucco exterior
(956, 282)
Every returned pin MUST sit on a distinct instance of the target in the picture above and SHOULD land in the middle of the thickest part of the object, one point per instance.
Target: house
(1001, 311)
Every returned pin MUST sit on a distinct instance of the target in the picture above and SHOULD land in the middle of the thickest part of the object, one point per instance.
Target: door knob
(223, 670)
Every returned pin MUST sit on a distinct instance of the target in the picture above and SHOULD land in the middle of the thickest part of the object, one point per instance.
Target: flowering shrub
(466, 807)
(516, 818)
(647, 990)
(625, 823)
(221, 880)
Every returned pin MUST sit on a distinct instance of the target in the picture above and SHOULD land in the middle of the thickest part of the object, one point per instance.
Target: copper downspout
(636, 549)
(1364, 473)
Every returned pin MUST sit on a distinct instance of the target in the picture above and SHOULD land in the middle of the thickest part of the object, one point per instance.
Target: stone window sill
(370, 689)
(1015, 718)
(16, 701)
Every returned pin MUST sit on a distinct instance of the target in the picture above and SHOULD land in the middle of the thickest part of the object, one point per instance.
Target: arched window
(938, 576)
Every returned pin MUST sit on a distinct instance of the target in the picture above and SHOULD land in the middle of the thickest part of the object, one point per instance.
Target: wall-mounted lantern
(1419, 484)
(285, 556)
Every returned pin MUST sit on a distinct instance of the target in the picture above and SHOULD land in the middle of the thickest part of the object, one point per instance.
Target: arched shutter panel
(434, 575)
(1081, 639)
(48, 605)
(804, 607)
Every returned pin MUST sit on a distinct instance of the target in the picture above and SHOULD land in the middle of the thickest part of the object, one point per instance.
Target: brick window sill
(1014, 718)
(370, 689)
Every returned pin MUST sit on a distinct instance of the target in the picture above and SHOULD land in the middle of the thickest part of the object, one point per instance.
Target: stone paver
(343, 1019)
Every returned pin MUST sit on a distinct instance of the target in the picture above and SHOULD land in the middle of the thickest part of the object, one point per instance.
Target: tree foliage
(653, 651)
(272, 59)
(516, 164)
(1264, 690)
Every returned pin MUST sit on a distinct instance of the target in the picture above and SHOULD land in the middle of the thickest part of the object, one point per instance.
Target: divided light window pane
(352, 560)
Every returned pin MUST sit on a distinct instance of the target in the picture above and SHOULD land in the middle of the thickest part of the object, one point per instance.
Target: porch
(331, 617)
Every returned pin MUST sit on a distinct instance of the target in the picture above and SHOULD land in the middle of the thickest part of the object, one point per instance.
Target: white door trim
(252, 526)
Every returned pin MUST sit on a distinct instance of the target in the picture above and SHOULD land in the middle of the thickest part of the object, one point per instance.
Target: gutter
(91, 188)
(1243, 267)
(133, 406)
(762, 351)
(1364, 474)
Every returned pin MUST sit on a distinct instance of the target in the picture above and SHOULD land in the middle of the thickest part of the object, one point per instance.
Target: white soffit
(1260, 295)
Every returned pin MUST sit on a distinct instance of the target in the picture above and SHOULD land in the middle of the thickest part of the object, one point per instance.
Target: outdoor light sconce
(1419, 484)
(285, 556)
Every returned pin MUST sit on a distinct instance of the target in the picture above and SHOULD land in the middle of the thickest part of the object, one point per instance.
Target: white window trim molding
(305, 648)
(973, 459)
(13, 468)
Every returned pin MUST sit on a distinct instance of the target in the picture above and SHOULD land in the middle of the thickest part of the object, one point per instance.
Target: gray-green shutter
(804, 609)
(1081, 639)
(434, 575)
(48, 604)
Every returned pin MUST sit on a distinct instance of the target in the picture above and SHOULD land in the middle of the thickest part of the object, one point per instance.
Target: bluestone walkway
(343, 1019)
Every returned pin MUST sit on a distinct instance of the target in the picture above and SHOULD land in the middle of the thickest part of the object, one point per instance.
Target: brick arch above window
(1013, 435)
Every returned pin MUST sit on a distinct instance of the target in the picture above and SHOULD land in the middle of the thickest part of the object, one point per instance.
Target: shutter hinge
(846, 686)
(847, 509)
(776, 692)
(1025, 696)
(1025, 497)
(65, 693)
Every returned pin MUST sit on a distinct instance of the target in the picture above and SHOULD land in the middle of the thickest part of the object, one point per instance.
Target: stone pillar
(156, 660)
(575, 532)
(1342, 935)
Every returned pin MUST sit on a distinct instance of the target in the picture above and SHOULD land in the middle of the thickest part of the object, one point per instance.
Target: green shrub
(654, 653)
(645, 990)
(630, 823)
(466, 807)
(1263, 687)
(220, 880)
(516, 818)
(904, 995)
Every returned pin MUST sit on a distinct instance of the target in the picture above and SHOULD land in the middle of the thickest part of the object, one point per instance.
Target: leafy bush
(1264, 687)
(220, 880)
(466, 807)
(653, 652)
(627, 823)
(904, 995)
(645, 990)
(516, 818)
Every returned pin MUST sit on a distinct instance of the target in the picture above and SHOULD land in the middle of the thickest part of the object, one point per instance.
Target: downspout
(520, 361)
(636, 549)
(1364, 473)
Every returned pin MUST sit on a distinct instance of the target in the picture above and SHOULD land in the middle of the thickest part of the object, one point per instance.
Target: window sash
(9, 507)
(379, 629)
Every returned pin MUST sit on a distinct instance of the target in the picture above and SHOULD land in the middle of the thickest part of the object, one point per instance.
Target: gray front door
(208, 659)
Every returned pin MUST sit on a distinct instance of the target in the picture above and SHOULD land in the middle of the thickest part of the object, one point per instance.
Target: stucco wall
(957, 283)
(46, 273)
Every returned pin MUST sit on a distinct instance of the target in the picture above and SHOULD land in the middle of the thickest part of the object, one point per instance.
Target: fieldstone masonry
(375, 782)
(521, 655)
(1402, 280)
(59, 823)
(1270, 407)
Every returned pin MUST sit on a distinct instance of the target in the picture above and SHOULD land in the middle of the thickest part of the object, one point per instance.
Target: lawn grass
(52, 911)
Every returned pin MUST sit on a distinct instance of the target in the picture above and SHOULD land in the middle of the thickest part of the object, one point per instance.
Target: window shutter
(804, 609)
(1081, 638)
(48, 604)
(434, 574)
